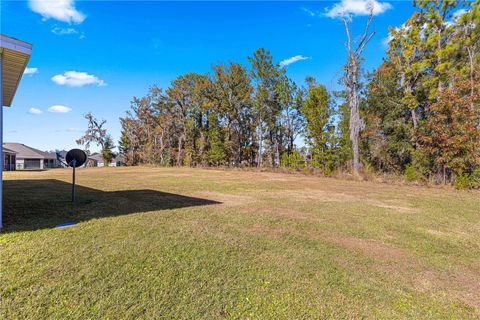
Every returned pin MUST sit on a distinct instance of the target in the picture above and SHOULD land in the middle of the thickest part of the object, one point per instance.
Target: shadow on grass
(39, 204)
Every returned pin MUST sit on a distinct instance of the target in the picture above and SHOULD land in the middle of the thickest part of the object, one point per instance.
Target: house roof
(27, 152)
(119, 158)
(61, 153)
(51, 154)
(96, 157)
(6, 150)
(15, 55)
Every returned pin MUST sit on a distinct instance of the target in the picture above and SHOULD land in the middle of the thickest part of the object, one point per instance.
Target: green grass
(190, 243)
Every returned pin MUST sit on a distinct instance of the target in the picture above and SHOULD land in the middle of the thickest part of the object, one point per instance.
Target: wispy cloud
(59, 109)
(311, 13)
(74, 130)
(455, 16)
(77, 79)
(386, 41)
(35, 111)
(291, 60)
(61, 10)
(60, 31)
(357, 8)
(30, 71)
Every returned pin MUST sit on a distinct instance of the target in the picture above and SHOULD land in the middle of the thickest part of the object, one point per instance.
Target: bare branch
(365, 37)
(347, 30)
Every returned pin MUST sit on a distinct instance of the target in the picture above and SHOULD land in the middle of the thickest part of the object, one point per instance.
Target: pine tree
(267, 104)
(319, 132)
(107, 150)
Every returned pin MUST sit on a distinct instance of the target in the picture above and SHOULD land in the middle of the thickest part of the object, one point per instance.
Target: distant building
(30, 158)
(60, 156)
(119, 160)
(9, 159)
(96, 160)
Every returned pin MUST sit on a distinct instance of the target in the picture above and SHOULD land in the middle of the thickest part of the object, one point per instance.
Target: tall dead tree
(351, 81)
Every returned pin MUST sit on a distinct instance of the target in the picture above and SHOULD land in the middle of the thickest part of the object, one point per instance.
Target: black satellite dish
(75, 158)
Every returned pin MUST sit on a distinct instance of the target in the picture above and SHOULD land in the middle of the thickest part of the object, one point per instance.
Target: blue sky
(95, 56)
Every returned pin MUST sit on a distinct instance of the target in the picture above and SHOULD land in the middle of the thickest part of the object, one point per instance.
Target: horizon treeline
(419, 111)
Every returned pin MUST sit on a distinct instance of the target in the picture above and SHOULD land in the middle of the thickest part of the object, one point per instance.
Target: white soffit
(15, 56)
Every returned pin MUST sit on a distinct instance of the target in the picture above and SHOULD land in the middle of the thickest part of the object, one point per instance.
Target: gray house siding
(28, 158)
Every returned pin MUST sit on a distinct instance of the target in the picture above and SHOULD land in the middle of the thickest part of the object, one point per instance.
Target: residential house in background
(96, 160)
(30, 158)
(60, 156)
(119, 160)
(9, 159)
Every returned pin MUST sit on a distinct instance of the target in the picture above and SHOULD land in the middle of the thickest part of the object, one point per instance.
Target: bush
(293, 161)
(468, 180)
(411, 173)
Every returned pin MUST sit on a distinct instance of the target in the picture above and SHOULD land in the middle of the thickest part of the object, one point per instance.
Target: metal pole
(73, 181)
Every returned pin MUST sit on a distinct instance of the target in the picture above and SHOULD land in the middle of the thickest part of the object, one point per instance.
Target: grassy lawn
(190, 243)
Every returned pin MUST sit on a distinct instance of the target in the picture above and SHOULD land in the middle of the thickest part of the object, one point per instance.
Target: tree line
(417, 114)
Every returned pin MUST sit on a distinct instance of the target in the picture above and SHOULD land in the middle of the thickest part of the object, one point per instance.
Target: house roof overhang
(15, 55)
(6, 150)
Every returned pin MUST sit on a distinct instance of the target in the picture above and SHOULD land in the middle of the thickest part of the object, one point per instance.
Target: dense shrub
(468, 180)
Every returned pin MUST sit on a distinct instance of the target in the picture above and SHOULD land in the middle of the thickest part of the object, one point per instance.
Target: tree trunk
(355, 125)
(277, 152)
(290, 145)
(471, 57)
(415, 124)
(260, 140)
(179, 152)
(444, 175)
(439, 60)
(355, 121)
(413, 112)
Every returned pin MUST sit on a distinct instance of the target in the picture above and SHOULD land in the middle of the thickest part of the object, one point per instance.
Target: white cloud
(30, 71)
(291, 60)
(455, 16)
(35, 111)
(459, 12)
(77, 79)
(59, 109)
(402, 28)
(357, 8)
(60, 31)
(61, 10)
(386, 41)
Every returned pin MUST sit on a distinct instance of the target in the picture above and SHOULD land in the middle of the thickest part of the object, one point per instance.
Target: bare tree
(96, 133)
(351, 81)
